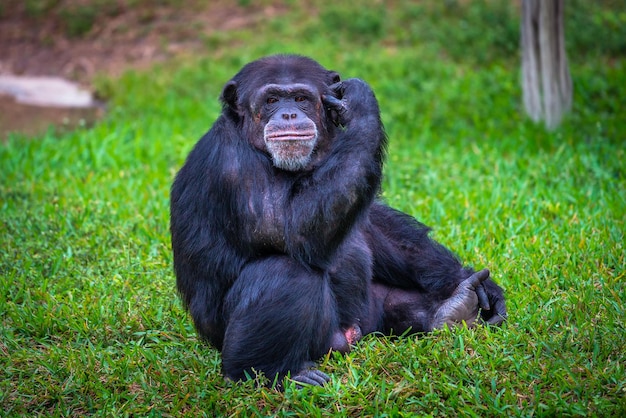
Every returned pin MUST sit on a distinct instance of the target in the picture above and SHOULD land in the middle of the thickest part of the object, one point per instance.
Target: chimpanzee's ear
(333, 77)
(229, 95)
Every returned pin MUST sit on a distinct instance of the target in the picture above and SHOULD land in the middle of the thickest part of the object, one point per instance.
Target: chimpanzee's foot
(311, 376)
(464, 303)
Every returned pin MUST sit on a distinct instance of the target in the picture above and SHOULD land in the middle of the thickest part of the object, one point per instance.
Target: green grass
(91, 324)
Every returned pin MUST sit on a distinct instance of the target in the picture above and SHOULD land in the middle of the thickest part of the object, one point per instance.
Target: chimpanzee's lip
(291, 136)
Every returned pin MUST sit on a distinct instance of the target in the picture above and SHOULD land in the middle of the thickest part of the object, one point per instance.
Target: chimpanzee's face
(290, 115)
(279, 101)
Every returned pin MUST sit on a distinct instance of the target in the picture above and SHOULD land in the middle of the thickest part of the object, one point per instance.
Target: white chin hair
(291, 164)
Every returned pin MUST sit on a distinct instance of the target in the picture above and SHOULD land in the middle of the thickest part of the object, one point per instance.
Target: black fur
(272, 263)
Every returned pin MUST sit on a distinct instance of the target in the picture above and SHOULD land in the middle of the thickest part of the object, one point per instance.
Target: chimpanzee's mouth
(292, 136)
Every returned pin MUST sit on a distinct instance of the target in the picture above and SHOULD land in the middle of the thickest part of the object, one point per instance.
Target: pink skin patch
(353, 334)
(343, 339)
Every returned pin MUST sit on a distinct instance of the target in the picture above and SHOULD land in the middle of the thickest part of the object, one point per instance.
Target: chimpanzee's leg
(350, 278)
(280, 318)
(395, 310)
(406, 258)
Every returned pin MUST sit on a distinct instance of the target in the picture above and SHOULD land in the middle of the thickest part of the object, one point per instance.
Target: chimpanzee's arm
(205, 260)
(325, 204)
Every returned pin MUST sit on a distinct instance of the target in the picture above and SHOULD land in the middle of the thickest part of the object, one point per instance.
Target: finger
(337, 88)
(320, 377)
(499, 314)
(497, 319)
(306, 380)
(312, 377)
(477, 278)
(500, 308)
(333, 103)
(483, 299)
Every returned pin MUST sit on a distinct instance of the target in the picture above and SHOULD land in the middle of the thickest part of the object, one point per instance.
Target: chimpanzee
(282, 249)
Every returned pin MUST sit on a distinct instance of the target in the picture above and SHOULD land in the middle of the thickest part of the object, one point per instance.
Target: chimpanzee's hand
(353, 100)
(489, 293)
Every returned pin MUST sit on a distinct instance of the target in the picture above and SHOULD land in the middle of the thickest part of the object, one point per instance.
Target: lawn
(90, 320)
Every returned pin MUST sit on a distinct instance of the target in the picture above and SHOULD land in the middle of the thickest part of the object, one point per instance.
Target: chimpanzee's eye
(271, 100)
(300, 99)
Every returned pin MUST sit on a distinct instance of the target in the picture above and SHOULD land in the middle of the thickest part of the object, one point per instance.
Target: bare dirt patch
(78, 39)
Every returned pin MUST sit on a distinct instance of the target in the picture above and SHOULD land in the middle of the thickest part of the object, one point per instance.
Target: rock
(45, 91)
(30, 105)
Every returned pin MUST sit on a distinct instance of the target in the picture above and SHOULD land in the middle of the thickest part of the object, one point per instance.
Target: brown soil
(119, 37)
(34, 120)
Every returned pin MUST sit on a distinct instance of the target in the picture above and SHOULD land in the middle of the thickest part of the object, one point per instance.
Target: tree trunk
(546, 80)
